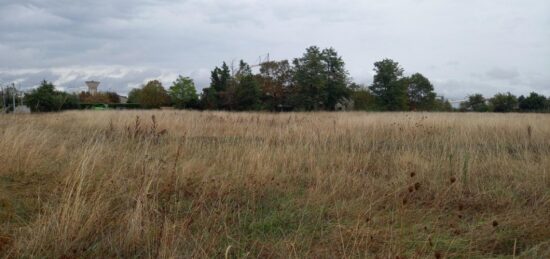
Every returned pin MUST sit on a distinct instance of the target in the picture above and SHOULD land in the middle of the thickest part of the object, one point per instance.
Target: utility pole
(13, 96)
(20, 96)
(3, 99)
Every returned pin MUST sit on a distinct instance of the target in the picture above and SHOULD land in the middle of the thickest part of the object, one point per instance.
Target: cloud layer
(462, 46)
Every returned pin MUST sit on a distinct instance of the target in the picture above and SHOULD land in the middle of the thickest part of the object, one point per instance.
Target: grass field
(317, 185)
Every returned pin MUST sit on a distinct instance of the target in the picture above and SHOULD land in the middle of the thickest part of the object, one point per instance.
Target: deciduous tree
(320, 79)
(388, 88)
(421, 95)
(275, 79)
(153, 95)
(183, 93)
(503, 102)
(533, 102)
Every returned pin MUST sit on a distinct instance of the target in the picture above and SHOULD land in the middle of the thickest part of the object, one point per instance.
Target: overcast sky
(463, 47)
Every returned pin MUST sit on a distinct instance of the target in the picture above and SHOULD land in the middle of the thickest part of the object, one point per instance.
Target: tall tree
(421, 95)
(133, 95)
(183, 93)
(320, 79)
(533, 102)
(503, 102)
(275, 79)
(218, 96)
(247, 92)
(337, 78)
(388, 88)
(153, 95)
(310, 80)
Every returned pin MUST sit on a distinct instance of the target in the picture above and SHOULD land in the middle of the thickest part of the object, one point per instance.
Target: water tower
(92, 86)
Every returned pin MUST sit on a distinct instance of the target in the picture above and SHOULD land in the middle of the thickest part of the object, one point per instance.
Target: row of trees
(506, 102)
(182, 94)
(318, 80)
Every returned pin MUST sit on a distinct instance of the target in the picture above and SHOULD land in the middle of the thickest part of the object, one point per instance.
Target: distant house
(344, 105)
(123, 99)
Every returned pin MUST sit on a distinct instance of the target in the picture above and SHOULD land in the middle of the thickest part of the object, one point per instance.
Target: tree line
(506, 102)
(318, 80)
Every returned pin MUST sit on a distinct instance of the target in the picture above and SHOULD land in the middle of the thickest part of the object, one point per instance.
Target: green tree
(219, 94)
(183, 93)
(133, 95)
(421, 95)
(247, 92)
(320, 79)
(309, 80)
(209, 99)
(476, 103)
(220, 78)
(336, 79)
(69, 101)
(388, 88)
(503, 102)
(153, 95)
(533, 102)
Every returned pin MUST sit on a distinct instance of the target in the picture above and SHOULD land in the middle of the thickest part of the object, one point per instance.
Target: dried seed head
(417, 186)
(438, 255)
(495, 223)
(411, 188)
(453, 179)
(413, 174)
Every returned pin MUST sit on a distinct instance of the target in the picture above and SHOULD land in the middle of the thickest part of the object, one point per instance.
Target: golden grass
(321, 185)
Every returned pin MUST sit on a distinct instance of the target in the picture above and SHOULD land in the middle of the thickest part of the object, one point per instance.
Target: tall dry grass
(321, 185)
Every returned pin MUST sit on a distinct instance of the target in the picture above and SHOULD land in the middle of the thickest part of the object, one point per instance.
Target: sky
(463, 47)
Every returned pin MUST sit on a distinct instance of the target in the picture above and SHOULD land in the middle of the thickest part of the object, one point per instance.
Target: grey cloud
(446, 40)
(119, 79)
(502, 74)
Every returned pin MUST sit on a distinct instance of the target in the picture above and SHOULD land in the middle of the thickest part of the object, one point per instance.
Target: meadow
(172, 184)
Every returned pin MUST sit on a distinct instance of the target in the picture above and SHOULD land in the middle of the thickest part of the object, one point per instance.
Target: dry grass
(322, 185)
